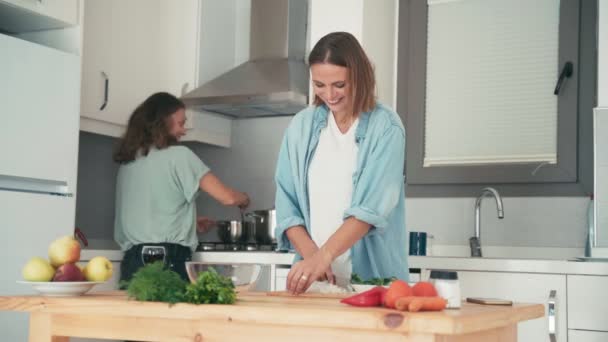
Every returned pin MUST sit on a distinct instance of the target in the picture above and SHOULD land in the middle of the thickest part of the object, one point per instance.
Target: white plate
(61, 288)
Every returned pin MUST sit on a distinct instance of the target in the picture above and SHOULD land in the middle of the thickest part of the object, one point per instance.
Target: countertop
(509, 265)
(525, 265)
(259, 316)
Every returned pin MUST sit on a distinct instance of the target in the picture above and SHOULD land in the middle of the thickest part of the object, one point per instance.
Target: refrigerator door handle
(34, 185)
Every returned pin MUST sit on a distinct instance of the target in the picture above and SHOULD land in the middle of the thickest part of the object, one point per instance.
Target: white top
(330, 186)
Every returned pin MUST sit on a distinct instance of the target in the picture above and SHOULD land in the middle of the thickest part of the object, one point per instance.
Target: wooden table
(260, 317)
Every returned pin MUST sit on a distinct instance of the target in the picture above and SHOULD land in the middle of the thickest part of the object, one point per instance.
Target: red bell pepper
(372, 297)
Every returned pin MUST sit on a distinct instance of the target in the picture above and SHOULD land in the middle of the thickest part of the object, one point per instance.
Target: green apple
(38, 269)
(98, 269)
(63, 251)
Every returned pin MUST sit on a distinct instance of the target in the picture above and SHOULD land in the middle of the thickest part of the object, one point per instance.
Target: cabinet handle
(552, 316)
(566, 73)
(105, 91)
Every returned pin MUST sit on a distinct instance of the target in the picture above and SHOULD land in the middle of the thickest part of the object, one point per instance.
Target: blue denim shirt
(378, 187)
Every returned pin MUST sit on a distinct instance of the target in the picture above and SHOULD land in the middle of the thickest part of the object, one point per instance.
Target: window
(453, 56)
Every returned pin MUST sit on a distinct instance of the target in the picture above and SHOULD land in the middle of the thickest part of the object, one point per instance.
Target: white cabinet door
(519, 287)
(587, 336)
(137, 47)
(587, 300)
(62, 10)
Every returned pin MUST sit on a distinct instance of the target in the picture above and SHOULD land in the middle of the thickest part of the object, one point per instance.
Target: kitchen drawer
(587, 298)
(587, 336)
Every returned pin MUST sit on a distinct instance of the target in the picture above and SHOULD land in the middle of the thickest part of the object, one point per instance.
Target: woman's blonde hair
(343, 49)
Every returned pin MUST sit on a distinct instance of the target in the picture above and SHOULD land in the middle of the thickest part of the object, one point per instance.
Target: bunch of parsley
(154, 282)
(211, 288)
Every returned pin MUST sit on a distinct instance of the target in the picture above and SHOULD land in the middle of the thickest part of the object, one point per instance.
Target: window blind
(491, 70)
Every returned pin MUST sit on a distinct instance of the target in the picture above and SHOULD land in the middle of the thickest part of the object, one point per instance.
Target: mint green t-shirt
(155, 198)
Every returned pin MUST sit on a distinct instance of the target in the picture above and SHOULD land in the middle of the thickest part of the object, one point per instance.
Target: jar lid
(440, 274)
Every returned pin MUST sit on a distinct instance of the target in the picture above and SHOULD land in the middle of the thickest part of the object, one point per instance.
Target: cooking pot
(265, 223)
(230, 231)
(234, 231)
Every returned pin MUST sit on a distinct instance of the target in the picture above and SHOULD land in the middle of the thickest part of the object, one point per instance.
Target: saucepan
(265, 223)
(234, 231)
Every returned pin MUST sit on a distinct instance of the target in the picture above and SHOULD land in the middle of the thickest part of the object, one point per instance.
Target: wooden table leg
(41, 329)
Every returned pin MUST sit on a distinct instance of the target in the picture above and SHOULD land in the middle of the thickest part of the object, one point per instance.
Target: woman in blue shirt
(340, 197)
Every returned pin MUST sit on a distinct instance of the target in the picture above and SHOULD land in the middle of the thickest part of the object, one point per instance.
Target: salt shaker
(447, 285)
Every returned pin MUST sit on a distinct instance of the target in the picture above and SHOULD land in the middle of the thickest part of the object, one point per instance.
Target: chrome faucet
(475, 241)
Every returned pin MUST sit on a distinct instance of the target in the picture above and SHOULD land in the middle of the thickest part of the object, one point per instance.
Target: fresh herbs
(154, 282)
(211, 288)
(355, 279)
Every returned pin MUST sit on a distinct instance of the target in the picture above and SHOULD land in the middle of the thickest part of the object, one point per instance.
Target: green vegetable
(154, 282)
(211, 288)
(355, 279)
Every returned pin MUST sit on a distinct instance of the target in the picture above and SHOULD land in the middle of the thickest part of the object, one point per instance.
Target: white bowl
(61, 288)
(242, 275)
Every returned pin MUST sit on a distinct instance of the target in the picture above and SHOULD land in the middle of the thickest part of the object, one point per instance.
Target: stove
(235, 247)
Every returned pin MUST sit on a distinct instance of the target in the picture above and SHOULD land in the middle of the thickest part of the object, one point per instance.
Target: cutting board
(310, 295)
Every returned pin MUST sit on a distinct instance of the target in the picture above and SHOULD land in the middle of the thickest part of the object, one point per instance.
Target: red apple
(68, 272)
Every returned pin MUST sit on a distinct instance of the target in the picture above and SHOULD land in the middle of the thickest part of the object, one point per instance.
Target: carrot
(427, 304)
(403, 303)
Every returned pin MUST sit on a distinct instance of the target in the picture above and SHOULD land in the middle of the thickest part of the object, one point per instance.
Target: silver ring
(304, 277)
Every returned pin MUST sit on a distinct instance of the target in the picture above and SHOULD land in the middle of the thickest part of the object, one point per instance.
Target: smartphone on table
(489, 301)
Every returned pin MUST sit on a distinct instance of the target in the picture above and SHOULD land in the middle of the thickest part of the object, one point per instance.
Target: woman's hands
(305, 272)
(204, 224)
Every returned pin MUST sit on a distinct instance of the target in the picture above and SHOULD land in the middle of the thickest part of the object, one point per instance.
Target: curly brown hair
(343, 49)
(148, 126)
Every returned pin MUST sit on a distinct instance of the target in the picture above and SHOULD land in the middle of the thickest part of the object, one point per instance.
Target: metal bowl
(243, 276)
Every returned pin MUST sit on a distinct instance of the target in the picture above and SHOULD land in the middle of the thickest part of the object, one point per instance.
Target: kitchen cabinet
(587, 311)
(587, 336)
(132, 49)
(522, 287)
(18, 16)
(136, 48)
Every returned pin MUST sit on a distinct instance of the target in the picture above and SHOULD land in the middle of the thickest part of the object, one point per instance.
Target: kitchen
(550, 225)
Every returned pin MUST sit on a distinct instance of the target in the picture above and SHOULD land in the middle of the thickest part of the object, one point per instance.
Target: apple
(68, 272)
(38, 269)
(98, 269)
(64, 250)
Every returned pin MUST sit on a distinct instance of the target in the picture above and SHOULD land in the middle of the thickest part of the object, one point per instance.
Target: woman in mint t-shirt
(157, 184)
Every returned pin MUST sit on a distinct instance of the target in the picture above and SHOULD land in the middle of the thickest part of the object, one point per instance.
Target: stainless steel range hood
(275, 80)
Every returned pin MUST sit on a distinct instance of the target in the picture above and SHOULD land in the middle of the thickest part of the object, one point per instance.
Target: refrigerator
(39, 123)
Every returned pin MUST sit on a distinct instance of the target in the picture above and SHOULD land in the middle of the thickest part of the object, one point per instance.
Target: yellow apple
(98, 269)
(38, 269)
(64, 250)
